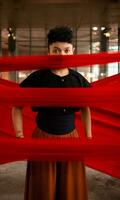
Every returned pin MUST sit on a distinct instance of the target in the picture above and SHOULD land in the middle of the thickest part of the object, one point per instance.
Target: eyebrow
(60, 48)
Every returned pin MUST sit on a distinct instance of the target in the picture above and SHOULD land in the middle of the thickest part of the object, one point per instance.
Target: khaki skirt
(55, 180)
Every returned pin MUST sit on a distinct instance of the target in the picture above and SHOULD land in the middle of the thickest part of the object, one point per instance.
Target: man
(55, 180)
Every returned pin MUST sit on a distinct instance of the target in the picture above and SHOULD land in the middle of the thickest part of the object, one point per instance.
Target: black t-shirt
(55, 120)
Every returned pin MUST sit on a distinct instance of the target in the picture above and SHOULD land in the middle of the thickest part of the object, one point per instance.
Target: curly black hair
(60, 34)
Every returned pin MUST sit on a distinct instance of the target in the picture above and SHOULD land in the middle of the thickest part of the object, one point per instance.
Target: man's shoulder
(34, 78)
(82, 80)
(38, 73)
(74, 72)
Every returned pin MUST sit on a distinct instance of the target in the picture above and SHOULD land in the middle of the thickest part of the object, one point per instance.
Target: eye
(67, 51)
(56, 51)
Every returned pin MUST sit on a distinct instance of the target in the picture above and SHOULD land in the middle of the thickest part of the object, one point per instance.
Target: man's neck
(60, 72)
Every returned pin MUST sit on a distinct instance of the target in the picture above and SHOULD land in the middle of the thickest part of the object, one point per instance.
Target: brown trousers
(55, 180)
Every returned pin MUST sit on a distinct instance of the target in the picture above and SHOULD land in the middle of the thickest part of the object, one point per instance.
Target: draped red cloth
(53, 61)
(102, 152)
(54, 97)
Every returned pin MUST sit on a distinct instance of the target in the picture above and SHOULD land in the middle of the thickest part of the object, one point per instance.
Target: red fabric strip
(52, 61)
(60, 149)
(101, 153)
(54, 97)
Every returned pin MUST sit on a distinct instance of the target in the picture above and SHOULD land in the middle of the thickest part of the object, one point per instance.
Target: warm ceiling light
(102, 28)
(107, 34)
(94, 28)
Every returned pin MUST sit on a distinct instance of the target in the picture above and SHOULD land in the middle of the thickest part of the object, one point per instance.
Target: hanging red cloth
(53, 61)
(102, 152)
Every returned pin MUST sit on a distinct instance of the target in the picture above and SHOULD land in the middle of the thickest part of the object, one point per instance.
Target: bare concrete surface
(12, 178)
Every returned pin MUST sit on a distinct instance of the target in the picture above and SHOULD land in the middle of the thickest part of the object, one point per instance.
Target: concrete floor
(12, 176)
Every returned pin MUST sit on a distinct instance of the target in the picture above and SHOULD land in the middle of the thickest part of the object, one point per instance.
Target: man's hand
(19, 134)
(89, 137)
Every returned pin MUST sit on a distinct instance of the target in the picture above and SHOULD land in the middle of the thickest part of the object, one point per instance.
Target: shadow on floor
(12, 178)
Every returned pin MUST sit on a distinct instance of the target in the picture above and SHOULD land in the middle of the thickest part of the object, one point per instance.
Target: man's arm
(86, 120)
(17, 121)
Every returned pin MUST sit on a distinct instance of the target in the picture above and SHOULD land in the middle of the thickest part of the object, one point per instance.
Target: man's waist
(57, 124)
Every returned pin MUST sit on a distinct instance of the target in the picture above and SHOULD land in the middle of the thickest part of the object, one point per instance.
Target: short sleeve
(31, 80)
(85, 83)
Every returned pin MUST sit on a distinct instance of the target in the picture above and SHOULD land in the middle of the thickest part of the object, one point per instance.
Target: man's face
(61, 48)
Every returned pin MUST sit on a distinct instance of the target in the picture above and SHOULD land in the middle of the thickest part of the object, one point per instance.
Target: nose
(62, 52)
